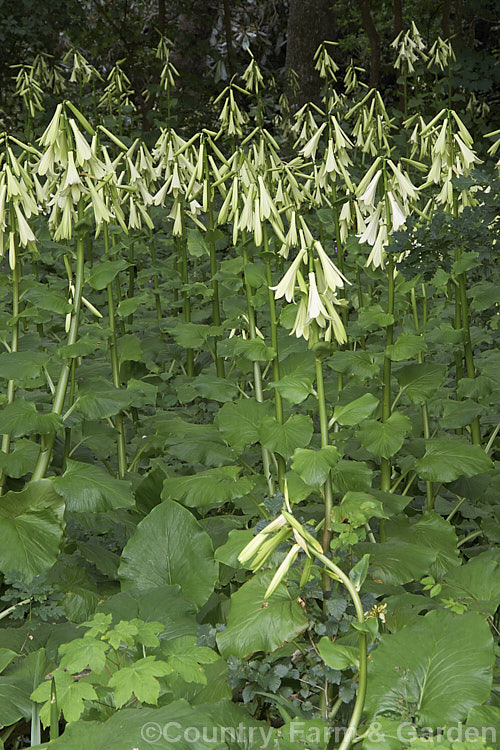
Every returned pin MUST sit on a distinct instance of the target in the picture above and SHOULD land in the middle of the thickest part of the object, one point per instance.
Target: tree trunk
(457, 26)
(445, 19)
(373, 38)
(161, 17)
(398, 17)
(310, 22)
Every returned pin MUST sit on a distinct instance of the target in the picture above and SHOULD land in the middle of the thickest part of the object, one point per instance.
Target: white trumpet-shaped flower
(315, 307)
(286, 287)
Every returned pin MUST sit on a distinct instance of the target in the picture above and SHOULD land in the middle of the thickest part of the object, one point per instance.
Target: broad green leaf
(130, 305)
(239, 423)
(169, 546)
(189, 335)
(294, 388)
(457, 414)
(71, 695)
(195, 443)
(46, 299)
(21, 460)
(197, 247)
(296, 432)
(139, 680)
(22, 367)
(446, 460)
(89, 488)
(487, 720)
(163, 603)
(83, 653)
(228, 552)
(209, 488)
(31, 528)
(22, 418)
(351, 475)
(359, 507)
(253, 350)
(6, 656)
(356, 411)
(129, 349)
(105, 271)
(360, 364)
(313, 467)
(440, 680)
(373, 317)
(384, 438)
(412, 550)
(80, 348)
(406, 346)
(98, 399)
(420, 381)
(218, 389)
(257, 624)
(14, 699)
(476, 584)
(337, 656)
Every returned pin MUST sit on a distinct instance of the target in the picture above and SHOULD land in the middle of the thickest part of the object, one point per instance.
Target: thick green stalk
(257, 375)
(429, 493)
(156, 284)
(115, 367)
(338, 573)
(274, 343)
(469, 357)
(131, 277)
(216, 308)
(11, 386)
(60, 393)
(181, 243)
(385, 480)
(325, 441)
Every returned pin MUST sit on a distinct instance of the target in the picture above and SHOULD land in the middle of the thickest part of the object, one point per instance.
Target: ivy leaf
(446, 460)
(71, 696)
(296, 432)
(384, 438)
(208, 488)
(313, 467)
(88, 488)
(138, 679)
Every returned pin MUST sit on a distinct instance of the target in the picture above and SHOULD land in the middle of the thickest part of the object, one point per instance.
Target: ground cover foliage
(248, 414)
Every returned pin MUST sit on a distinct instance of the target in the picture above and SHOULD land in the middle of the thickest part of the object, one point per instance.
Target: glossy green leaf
(296, 432)
(442, 678)
(384, 438)
(89, 488)
(257, 624)
(336, 655)
(170, 547)
(209, 488)
(356, 411)
(446, 460)
(239, 423)
(313, 467)
(420, 381)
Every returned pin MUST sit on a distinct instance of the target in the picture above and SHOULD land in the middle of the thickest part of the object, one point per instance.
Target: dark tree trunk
(161, 17)
(457, 26)
(310, 22)
(398, 17)
(229, 36)
(445, 19)
(373, 38)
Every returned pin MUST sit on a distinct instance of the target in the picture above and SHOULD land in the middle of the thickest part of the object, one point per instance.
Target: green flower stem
(48, 441)
(182, 249)
(274, 343)
(385, 465)
(337, 572)
(469, 357)
(257, 375)
(131, 277)
(152, 250)
(11, 386)
(216, 314)
(115, 367)
(425, 415)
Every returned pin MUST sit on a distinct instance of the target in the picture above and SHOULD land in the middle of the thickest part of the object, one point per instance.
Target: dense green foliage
(248, 412)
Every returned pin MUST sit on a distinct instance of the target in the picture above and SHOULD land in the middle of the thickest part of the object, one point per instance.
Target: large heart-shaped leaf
(438, 667)
(22, 418)
(239, 423)
(31, 527)
(384, 438)
(356, 411)
(88, 488)
(170, 546)
(313, 467)
(296, 432)
(258, 624)
(446, 460)
(208, 488)
(420, 381)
